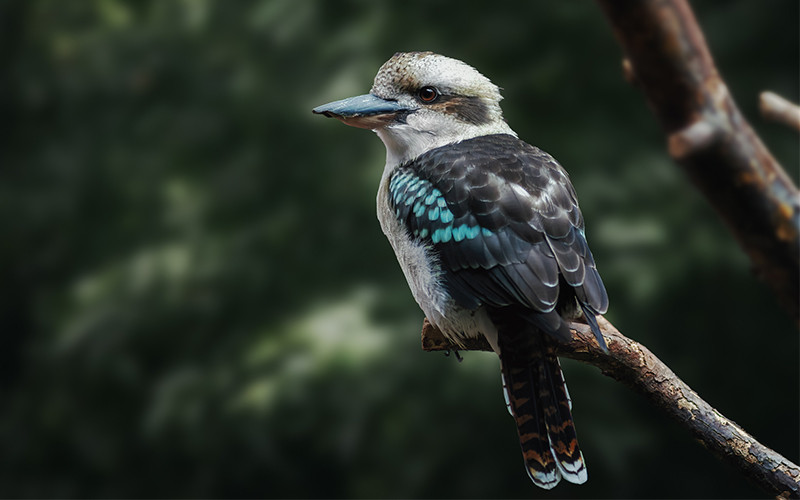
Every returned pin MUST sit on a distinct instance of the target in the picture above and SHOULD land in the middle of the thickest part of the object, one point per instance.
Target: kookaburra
(489, 235)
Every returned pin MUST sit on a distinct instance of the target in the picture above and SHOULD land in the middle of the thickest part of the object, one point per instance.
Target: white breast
(420, 268)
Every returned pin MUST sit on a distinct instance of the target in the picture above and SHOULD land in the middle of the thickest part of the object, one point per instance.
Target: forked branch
(668, 59)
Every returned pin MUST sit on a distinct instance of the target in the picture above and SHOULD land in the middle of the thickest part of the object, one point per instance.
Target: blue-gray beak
(364, 111)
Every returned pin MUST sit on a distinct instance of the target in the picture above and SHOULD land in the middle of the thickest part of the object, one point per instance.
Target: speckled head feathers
(406, 72)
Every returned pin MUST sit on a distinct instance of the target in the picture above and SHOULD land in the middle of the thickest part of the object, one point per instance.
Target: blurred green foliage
(197, 300)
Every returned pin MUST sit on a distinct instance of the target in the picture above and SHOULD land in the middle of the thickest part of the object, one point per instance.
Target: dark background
(197, 301)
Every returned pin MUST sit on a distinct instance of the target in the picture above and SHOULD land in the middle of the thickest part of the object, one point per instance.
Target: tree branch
(634, 365)
(667, 57)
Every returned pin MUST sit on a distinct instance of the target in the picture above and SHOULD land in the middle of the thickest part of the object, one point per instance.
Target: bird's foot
(455, 353)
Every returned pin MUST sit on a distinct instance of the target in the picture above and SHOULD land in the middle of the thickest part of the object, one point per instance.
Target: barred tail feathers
(560, 426)
(540, 405)
(522, 390)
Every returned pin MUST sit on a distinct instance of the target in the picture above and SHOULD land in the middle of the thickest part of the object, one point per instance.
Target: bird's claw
(455, 353)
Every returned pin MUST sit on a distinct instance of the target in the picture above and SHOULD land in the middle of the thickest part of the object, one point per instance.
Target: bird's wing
(504, 220)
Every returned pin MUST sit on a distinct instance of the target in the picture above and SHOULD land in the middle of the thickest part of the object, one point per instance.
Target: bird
(489, 235)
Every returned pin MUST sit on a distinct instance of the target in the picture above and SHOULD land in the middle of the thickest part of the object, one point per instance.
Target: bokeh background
(197, 300)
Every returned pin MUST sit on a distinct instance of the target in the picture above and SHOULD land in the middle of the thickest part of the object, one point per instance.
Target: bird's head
(420, 101)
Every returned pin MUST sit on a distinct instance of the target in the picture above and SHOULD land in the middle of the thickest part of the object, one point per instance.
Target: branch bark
(667, 57)
(634, 365)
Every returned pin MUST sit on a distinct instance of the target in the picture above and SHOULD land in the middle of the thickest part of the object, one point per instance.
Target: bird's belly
(423, 274)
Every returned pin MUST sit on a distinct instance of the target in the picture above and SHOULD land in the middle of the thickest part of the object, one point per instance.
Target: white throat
(406, 141)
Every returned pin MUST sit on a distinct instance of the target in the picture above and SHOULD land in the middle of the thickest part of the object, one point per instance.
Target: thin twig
(634, 365)
(775, 108)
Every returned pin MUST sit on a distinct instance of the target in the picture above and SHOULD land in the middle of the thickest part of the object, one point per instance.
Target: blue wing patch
(424, 210)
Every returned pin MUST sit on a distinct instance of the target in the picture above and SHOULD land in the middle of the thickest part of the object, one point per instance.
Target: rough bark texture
(667, 58)
(634, 365)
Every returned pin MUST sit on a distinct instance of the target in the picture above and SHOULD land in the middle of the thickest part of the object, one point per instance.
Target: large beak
(364, 111)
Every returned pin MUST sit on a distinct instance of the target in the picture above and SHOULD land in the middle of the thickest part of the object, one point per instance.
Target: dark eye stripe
(468, 109)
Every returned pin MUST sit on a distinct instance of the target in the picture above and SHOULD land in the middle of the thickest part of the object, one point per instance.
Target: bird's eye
(428, 94)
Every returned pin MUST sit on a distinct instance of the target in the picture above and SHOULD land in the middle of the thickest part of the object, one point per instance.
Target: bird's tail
(539, 402)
